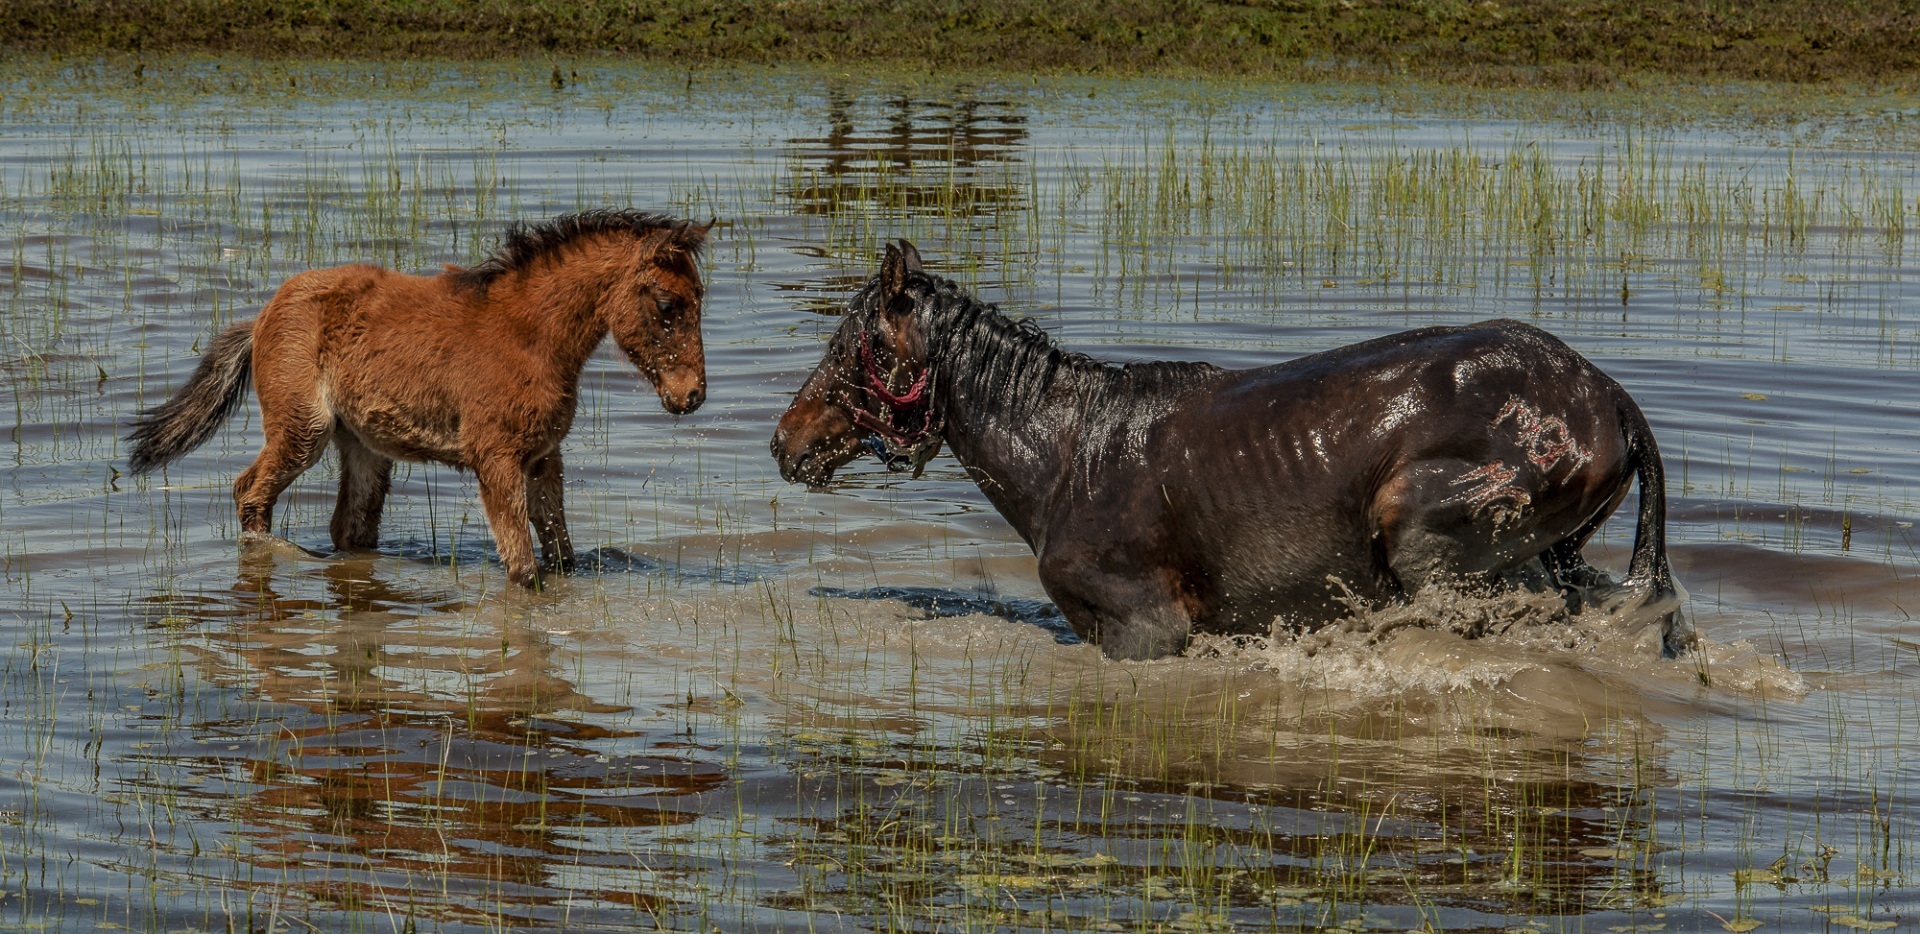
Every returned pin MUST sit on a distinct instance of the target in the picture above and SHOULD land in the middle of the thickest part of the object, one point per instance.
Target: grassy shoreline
(1557, 43)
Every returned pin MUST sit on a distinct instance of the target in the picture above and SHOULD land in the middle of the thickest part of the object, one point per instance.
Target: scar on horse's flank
(441, 368)
(1548, 442)
(1547, 438)
(1494, 490)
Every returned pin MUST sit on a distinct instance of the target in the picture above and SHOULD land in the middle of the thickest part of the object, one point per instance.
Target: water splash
(1450, 639)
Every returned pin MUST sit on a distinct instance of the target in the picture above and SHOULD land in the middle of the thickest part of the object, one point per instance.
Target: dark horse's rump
(1167, 497)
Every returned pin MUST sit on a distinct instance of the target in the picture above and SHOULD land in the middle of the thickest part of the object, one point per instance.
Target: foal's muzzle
(682, 391)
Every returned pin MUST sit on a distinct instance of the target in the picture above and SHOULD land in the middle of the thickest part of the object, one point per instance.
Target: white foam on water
(1742, 667)
(1452, 640)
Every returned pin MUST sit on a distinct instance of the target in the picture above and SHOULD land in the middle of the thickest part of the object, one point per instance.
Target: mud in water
(757, 706)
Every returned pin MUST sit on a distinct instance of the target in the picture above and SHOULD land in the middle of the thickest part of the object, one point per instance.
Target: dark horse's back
(1435, 455)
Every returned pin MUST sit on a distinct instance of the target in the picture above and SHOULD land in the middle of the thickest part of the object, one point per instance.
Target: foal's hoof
(259, 544)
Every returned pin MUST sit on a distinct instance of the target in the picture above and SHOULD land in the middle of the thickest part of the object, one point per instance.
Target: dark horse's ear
(893, 276)
(900, 260)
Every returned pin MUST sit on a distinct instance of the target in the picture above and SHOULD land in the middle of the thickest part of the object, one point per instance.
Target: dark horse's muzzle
(807, 451)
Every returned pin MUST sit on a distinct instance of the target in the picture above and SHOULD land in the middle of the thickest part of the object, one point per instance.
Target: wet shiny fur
(1168, 498)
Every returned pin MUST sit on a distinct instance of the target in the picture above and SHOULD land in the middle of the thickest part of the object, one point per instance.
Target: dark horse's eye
(664, 304)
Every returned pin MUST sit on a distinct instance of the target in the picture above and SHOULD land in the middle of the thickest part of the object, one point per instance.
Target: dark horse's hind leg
(365, 476)
(1571, 574)
(547, 507)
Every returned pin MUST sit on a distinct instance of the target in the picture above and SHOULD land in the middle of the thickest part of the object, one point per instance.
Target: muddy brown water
(763, 707)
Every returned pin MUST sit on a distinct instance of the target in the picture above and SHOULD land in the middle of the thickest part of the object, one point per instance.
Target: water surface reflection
(706, 729)
(417, 754)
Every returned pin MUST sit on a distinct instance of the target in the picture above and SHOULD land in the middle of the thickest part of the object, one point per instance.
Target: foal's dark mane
(524, 242)
(988, 355)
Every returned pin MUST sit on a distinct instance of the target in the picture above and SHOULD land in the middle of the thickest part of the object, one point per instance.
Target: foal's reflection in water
(366, 645)
(410, 751)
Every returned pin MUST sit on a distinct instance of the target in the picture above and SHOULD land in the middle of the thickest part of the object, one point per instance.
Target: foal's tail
(1649, 574)
(163, 433)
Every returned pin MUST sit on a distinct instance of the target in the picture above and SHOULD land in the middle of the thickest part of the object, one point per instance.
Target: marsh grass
(1518, 42)
(1464, 219)
(693, 737)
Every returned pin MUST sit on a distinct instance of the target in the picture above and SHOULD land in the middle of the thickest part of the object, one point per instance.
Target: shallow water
(758, 706)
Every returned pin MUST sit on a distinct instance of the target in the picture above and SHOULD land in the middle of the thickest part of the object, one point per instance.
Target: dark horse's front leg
(546, 485)
(1116, 600)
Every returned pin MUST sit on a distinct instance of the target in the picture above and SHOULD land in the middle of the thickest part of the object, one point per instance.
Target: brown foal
(478, 368)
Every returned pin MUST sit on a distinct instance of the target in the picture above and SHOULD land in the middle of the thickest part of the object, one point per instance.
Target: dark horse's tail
(163, 433)
(1648, 575)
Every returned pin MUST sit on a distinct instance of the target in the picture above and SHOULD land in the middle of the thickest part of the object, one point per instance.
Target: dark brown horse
(1162, 498)
(478, 368)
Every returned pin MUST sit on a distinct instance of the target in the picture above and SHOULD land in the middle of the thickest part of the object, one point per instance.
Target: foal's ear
(911, 256)
(655, 241)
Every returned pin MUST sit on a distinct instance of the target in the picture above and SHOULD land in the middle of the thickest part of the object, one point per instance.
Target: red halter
(916, 399)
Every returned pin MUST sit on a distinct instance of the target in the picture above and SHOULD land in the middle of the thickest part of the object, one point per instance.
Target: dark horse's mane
(988, 355)
(525, 242)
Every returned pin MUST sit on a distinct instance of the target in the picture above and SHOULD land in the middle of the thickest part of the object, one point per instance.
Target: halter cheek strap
(877, 379)
(915, 400)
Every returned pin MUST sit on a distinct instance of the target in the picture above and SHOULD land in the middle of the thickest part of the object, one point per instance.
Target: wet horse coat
(1165, 498)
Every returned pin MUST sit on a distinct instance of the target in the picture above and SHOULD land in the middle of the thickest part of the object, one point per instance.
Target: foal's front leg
(503, 491)
(546, 501)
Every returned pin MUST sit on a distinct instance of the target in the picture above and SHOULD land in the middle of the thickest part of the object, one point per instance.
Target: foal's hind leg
(546, 503)
(365, 476)
(297, 433)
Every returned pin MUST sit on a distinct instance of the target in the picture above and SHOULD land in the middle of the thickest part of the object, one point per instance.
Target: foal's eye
(664, 304)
